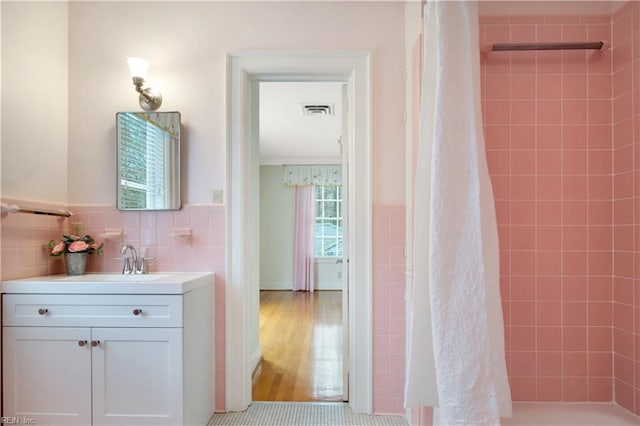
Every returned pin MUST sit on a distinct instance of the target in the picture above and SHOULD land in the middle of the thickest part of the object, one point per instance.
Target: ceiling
(287, 136)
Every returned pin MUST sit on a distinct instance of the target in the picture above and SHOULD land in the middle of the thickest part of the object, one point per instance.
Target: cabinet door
(137, 376)
(47, 374)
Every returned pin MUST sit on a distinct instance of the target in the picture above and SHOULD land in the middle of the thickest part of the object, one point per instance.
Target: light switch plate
(217, 196)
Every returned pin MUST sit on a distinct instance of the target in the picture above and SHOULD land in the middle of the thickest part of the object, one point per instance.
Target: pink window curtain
(303, 238)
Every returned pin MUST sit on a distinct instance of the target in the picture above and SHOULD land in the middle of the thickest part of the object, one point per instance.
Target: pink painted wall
(559, 128)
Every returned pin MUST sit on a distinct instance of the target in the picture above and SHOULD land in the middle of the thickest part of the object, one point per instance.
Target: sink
(113, 278)
(110, 283)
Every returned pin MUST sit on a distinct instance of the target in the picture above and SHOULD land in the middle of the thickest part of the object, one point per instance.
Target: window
(328, 235)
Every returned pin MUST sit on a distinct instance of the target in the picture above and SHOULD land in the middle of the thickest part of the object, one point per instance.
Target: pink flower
(77, 246)
(58, 248)
(94, 246)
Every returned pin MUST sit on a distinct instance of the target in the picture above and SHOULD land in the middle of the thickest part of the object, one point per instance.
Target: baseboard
(329, 286)
(256, 371)
(317, 288)
(256, 362)
(319, 285)
(276, 286)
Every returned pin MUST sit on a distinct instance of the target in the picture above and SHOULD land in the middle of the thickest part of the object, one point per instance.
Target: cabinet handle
(81, 343)
(137, 311)
(43, 311)
(95, 343)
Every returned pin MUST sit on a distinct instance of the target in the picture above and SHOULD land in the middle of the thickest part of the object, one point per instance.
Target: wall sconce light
(150, 99)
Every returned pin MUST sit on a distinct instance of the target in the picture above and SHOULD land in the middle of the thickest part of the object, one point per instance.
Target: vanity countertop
(99, 283)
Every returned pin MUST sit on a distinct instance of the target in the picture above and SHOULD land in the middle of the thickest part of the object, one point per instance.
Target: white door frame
(243, 70)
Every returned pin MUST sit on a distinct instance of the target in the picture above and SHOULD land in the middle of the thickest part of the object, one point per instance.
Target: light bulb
(138, 67)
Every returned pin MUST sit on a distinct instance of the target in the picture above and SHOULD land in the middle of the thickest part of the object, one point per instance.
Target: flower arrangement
(75, 244)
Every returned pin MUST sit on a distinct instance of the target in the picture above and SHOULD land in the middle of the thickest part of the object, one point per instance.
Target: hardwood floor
(301, 336)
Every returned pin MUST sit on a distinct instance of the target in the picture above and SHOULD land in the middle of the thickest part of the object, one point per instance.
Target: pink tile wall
(548, 134)
(388, 309)
(24, 234)
(635, 70)
(149, 233)
(421, 416)
(23, 239)
(23, 255)
(626, 194)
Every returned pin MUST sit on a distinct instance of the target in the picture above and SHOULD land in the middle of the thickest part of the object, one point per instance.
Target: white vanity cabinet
(45, 375)
(108, 359)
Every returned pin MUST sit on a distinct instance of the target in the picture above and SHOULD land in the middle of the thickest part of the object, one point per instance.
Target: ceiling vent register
(317, 109)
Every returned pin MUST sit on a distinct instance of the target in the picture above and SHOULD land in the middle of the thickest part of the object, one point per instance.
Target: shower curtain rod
(503, 47)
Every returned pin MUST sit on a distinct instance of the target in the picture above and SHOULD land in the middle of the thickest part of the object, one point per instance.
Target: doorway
(245, 72)
(303, 337)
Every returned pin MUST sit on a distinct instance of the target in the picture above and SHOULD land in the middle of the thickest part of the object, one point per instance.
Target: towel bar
(6, 208)
(504, 47)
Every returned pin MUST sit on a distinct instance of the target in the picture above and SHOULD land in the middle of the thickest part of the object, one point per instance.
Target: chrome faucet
(128, 268)
(131, 263)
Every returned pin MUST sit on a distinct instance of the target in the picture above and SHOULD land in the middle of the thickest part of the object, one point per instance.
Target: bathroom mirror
(148, 160)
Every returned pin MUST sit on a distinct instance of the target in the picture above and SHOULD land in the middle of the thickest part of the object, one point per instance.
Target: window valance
(313, 175)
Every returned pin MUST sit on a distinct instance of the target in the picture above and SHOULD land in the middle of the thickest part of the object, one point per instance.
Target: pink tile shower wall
(388, 309)
(635, 301)
(23, 255)
(547, 119)
(626, 194)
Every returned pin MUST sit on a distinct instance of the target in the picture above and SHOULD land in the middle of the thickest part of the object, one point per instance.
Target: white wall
(34, 102)
(1, 116)
(276, 237)
(276, 230)
(1, 251)
(328, 274)
(65, 76)
(186, 44)
(413, 27)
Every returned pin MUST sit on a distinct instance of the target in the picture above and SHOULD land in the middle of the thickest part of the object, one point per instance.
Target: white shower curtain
(303, 238)
(455, 328)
